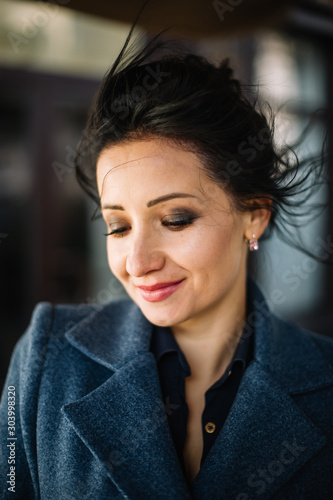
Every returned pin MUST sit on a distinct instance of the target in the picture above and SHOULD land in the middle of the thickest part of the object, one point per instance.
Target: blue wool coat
(91, 422)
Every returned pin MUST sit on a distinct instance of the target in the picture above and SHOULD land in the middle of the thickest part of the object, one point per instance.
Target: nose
(143, 256)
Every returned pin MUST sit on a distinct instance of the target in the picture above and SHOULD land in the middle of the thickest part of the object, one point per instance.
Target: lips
(159, 291)
(158, 286)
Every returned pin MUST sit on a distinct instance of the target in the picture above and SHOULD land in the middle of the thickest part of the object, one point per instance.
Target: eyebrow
(151, 203)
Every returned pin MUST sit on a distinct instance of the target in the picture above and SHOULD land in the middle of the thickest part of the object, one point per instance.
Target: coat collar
(113, 335)
(123, 422)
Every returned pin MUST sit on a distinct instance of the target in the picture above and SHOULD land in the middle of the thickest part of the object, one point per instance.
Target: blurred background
(52, 58)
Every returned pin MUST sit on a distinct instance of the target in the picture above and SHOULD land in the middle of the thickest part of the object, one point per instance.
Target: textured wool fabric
(91, 421)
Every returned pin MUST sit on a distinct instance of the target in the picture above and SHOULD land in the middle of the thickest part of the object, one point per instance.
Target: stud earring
(253, 243)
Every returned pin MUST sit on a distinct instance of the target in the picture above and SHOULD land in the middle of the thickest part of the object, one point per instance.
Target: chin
(162, 316)
(167, 313)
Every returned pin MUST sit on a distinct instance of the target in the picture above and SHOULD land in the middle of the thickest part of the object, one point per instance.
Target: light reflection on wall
(47, 37)
(291, 73)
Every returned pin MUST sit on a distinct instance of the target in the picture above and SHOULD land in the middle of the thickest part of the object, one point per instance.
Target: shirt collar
(163, 342)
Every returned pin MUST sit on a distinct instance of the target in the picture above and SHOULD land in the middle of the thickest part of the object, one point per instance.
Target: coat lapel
(264, 441)
(124, 421)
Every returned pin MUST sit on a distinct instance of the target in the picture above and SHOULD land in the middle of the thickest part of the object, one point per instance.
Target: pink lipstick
(160, 291)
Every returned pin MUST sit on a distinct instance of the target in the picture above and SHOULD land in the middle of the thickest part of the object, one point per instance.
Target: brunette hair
(202, 108)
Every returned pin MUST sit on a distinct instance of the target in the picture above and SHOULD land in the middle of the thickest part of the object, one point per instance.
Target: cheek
(214, 243)
(210, 245)
(199, 252)
(220, 250)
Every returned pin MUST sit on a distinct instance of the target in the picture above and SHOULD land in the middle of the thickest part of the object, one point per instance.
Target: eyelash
(176, 224)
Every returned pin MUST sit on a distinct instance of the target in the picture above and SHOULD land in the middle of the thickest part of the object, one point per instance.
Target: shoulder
(304, 341)
(323, 343)
(281, 344)
(299, 359)
(50, 323)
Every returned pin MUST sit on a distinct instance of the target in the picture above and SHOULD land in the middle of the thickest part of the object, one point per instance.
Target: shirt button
(210, 427)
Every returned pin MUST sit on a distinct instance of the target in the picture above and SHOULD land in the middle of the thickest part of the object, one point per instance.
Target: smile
(160, 291)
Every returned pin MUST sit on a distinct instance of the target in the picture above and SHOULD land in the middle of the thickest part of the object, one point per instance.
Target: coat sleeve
(18, 409)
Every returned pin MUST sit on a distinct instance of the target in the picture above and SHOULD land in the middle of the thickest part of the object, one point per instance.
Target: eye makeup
(176, 220)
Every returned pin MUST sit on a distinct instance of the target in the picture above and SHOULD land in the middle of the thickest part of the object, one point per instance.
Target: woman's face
(175, 242)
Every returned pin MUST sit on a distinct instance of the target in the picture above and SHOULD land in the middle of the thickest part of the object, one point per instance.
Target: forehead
(154, 163)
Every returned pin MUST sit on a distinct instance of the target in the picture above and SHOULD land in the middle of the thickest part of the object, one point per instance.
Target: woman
(192, 388)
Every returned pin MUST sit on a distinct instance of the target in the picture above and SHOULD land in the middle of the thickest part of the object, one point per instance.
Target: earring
(253, 243)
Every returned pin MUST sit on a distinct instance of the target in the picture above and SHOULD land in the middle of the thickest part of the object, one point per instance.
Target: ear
(258, 217)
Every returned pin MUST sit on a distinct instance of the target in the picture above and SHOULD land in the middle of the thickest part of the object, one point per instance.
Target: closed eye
(174, 223)
(178, 223)
(118, 232)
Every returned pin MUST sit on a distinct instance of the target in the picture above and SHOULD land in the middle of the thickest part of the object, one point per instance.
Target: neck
(209, 342)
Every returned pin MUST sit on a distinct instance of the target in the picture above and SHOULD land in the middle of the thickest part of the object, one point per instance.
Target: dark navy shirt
(173, 368)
